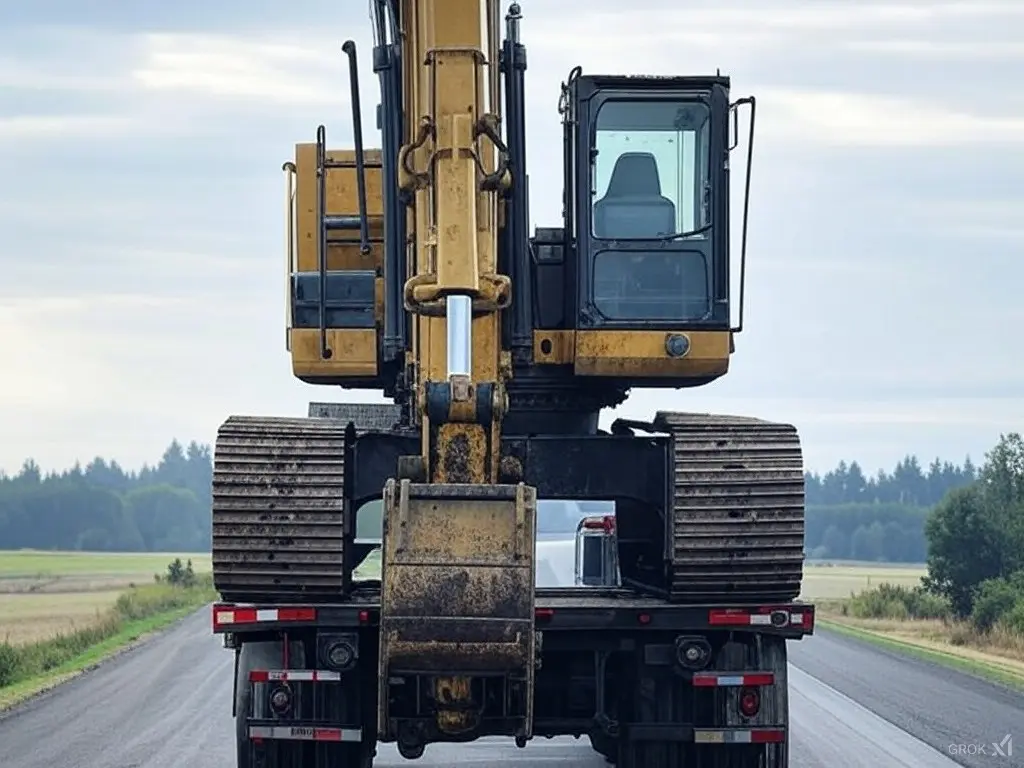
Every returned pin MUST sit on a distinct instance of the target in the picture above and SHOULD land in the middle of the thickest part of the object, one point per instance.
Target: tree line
(853, 516)
(104, 508)
(907, 484)
(166, 507)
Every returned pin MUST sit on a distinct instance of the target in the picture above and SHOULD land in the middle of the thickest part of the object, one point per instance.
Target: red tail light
(606, 523)
(750, 702)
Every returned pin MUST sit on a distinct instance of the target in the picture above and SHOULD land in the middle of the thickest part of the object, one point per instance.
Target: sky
(141, 223)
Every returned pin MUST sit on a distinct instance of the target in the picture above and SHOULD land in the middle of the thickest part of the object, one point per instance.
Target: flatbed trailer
(650, 682)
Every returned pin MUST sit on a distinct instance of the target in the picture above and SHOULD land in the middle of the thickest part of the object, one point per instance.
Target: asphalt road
(167, 704)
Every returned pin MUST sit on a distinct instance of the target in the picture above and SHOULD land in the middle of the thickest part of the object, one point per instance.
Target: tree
(977, 533)
(104, 508)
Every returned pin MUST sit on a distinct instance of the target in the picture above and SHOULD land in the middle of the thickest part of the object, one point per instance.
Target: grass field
(837, 582)
(43, 593)
(46, 593)
(997, 655)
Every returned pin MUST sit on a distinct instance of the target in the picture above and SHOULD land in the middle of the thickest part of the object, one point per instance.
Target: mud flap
(457, 591)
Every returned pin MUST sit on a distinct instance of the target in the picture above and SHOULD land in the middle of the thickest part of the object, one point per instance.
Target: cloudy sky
(141, 220)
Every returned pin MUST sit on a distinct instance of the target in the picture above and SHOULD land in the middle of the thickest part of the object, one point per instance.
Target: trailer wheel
(261, 655)
(769, 653)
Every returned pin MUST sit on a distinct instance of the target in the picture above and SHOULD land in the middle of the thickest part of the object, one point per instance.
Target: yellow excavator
(376, 564)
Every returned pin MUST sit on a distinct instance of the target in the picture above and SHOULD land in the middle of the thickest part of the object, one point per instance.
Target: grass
(837, 582)
(369, 569)
(39, 562)
(959, 658)
(61, 613)
(30, 667)
(129, 633)
(46, 593)
(28, 616)
(880, 604)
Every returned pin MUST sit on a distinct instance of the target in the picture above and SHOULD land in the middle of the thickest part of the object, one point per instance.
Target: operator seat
(633, 205)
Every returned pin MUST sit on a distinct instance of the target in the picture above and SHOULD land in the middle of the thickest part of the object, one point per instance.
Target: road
(167, 704)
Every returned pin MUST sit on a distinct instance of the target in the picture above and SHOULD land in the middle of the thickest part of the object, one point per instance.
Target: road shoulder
(1004, 672)
(133, 635)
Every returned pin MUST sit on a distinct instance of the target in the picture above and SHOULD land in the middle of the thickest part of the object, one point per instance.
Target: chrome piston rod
(459, 322)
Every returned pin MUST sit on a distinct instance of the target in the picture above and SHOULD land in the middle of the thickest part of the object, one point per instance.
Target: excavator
(376, 564)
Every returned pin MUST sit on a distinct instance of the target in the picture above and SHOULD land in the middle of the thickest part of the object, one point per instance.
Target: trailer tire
(255, 655)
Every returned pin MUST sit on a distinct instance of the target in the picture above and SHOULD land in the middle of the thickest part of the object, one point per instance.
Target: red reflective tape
(227, 615)
(728, 617)
(767, 736)
(327, 734)
(294, 676)
(296, 614)
(723, 679)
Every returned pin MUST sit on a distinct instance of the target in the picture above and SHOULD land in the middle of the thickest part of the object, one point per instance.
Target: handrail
(289, 249)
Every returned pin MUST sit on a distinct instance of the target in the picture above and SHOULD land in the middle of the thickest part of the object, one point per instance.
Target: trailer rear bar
(554, 612)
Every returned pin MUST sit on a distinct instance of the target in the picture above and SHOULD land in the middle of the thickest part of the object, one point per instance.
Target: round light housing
(750, 702)
(677, 345)
(340, 655)
(280, 700)
(693, 653)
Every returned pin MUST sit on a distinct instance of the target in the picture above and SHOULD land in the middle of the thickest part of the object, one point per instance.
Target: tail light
(750, 702)
(605, 523)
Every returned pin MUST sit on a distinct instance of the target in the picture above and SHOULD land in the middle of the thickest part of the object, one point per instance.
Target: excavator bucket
(457, 597)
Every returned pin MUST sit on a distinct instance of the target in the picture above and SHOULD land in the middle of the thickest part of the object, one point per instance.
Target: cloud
(143, 242)
(869, 120)
(219, 66)
(50, 127)
(940, 50)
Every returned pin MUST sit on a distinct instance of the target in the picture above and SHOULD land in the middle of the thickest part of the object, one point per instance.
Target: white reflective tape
(304, 675)
(721, 737)
(760, 618)
(304, 733)
(266, 614)
(729, 680)
(738, 735)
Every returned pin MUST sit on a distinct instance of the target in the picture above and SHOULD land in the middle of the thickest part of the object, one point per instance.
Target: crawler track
(738, 523)
(278, 508)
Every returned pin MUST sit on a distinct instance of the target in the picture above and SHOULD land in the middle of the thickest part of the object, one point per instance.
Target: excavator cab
(647, 181)
(646, 229)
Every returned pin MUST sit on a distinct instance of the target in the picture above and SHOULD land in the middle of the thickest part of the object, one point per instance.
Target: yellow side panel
(643, 354)
(355, 353)
(554, 347)
(633, 354)
(342, 200)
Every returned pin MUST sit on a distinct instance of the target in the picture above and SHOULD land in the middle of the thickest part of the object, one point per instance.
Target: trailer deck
(556, 609)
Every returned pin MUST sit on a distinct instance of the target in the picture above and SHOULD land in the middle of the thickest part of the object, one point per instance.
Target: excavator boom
(411, 271)
(458, 567)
